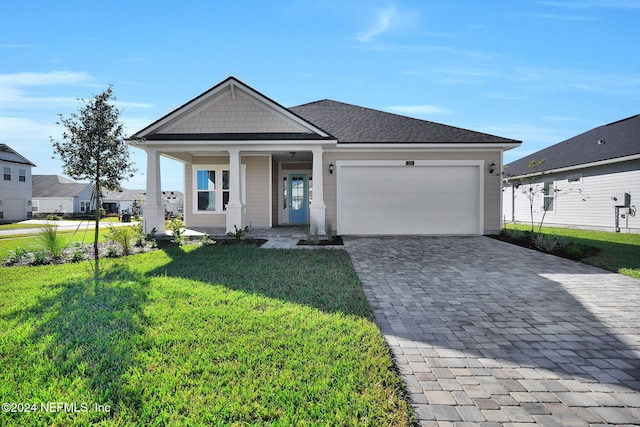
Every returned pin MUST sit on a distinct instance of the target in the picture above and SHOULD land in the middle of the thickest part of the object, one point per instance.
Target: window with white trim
(22, 175)
(85, 206)
(549, 196)
(211, 187)
(7, 173)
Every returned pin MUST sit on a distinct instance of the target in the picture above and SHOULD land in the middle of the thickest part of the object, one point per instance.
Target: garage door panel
(408, 200)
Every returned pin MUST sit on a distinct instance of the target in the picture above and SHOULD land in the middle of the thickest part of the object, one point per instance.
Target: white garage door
(392, 197)
(13, 209)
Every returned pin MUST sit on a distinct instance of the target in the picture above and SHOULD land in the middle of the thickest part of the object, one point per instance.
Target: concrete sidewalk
(488, 333)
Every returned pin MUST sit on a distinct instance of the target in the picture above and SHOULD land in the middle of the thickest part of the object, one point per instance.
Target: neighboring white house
(249, 160)
(589, 181)
(60, 195)
(15, 185)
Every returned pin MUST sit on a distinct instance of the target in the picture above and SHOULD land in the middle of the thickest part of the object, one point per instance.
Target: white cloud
(529, 134)
(384, 20)
(418, 109)
(27, 79)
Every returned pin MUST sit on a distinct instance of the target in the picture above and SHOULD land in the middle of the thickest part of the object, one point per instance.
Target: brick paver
(488, 333)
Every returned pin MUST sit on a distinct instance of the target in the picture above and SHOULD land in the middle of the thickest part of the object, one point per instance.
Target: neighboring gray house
(15, 185)
(60, 195)
(250, 161)
(121, 201)
(589, 181)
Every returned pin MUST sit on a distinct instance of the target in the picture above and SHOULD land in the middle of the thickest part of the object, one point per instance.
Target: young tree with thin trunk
(93, 149)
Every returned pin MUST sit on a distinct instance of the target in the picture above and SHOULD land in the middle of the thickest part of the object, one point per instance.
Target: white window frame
(4, 173)
(22, 175)
(218, 168)
(85, 206)
(546, 186)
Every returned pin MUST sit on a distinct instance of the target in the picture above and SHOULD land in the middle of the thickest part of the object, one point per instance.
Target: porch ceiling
(280, 156)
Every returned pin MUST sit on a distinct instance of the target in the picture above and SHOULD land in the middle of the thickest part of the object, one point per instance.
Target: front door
(298, 198)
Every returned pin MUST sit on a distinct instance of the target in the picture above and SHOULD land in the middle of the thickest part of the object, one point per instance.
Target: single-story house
(124, 200)
(250, 161)
(591, 180)
(15, 186)
(60, 195)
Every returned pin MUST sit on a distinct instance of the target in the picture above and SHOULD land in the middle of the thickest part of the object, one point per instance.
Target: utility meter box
(621, 200)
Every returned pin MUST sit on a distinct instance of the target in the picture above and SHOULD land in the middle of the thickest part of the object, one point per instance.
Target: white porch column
(318, 208)
(153, 212)
(235, 209)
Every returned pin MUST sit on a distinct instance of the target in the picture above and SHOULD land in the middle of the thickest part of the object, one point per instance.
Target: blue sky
(537, 71)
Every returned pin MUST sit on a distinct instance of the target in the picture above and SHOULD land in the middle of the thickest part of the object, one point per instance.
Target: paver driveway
(485, 332)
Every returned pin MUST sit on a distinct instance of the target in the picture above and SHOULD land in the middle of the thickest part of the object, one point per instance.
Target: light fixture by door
(331, 168)
(492, 168)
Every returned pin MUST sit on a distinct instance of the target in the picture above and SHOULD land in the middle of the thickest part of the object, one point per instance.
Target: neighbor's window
(549, 194)
(84, 206)
(7, 173)
(22, 175)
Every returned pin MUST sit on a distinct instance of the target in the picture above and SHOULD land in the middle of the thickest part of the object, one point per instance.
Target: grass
(618, 252)
(228, 335)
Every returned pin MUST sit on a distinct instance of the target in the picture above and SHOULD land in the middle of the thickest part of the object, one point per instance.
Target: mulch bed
(336, 241)
(526, 242)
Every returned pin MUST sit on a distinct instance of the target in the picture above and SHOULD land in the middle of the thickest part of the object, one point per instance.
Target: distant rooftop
(616, 140)
(8, 154)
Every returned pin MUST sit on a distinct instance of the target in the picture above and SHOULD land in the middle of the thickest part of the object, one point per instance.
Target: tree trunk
(96, 235)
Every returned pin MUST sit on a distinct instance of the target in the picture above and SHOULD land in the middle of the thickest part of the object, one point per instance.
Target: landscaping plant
(52, 242)
(124, 236)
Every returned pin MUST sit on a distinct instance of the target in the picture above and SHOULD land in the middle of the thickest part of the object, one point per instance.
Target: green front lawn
(618, 252)
(32, 243)
(213, 335)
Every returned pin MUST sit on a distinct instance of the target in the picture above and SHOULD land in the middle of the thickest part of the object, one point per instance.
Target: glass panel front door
(298, 199)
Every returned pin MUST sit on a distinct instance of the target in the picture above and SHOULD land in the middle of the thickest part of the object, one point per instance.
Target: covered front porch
(232, 187)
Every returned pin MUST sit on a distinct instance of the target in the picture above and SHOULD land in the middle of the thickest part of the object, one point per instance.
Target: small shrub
(312, 234)
(574, 251)
(516, 234)
(112, 252)
(39, 258)
(16, 255)
(53, 217)
(545, 242)
(77, 255)
(206, 240)
(51, 241)
(123, 236)
(238, 234)
(176, 226)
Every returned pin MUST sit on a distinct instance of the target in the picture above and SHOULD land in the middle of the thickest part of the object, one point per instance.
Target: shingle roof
(56, 186)
(124, 194)
(615, 140)
(10, 155)
(354, 124)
